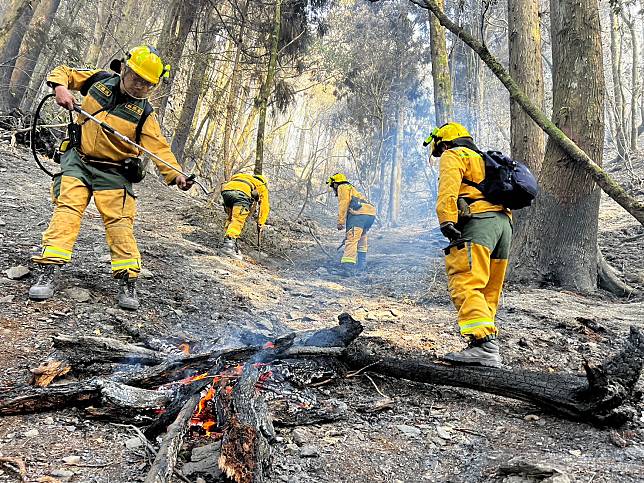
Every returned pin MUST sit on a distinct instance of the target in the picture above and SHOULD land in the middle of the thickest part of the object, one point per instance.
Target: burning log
(245, 448)
(164, 464)
(603, 396)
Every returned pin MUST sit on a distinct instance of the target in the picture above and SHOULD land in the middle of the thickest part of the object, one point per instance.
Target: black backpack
(507, 182)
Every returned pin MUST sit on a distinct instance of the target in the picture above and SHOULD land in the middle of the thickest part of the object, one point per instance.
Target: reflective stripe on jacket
(243, 182)
(348, 200)
(98, 144)
(456, 164)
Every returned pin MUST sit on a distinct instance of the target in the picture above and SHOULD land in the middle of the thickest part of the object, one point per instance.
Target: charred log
(166, 459)
(87, 349)
(603, 396)
(245, 448)
(28, 399)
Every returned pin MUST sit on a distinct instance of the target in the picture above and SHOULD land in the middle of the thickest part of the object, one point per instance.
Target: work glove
(449, 231)
(340, 226)
(183, 183)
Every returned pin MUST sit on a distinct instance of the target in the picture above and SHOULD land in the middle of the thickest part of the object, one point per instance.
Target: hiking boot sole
(129, 305)
(473, 362)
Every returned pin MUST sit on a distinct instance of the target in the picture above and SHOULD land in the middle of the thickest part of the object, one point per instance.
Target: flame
(268, 345)
(185, 348)
(191, 379)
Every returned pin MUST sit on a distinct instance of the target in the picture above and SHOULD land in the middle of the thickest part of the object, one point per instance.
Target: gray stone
(48, 421)
(443, 432)
(204, 460)
(200, 480)
(79, 294)
(62, 473)
(2, 222)
(18, 272)
(70, 428)
(31, 433)
(634, 453)
(133, 443)
(410, 431)
(299, 436)
(71, 460)
(145, 273)
(202, 452)
(309, 451)
(105, 259)
(7, 299)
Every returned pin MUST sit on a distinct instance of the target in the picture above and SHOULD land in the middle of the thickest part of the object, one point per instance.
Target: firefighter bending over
(241, 194)
(355, 214)
(479, 232)
(100, 165)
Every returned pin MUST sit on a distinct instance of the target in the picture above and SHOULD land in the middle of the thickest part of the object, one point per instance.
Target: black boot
(347, 269)
(46, 284)
(230, 249)
(361, 266)
(127, 294)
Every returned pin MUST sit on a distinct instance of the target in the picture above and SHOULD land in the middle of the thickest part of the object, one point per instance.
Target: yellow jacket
(259, 192)
(95, 142)
(346, 194)
(456, 164)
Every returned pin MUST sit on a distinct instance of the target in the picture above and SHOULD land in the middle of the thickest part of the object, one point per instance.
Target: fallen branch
(86, 349)
(320, 244)
(15, 464)
(604, 396)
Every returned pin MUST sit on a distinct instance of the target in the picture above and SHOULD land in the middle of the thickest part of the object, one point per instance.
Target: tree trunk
(10, 18)
(9, 47)
(396, 168)
(635, 83)
(267, 87)
(32, 44)
(443, 102)
(195, 88)
(561, 240)
(178, 22)
(527, 141)
(104, 14)
(618, 87)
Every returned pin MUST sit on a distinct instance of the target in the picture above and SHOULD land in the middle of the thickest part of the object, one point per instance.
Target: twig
(469, 431)
(320, 244)
(355, 373)
(140, 434)
(374, 385)
(19, 467)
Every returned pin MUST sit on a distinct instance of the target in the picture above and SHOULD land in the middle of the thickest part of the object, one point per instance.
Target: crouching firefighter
(479, 233)
(241, 195)
(355, 214)
(98, 164)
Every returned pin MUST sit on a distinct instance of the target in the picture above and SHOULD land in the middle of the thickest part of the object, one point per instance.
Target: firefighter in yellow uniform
(355, 215)
(241, 194)
(480, 233)
(100, 165)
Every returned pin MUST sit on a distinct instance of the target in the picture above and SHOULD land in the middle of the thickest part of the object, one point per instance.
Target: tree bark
(396, 167)
(179, 20)
(443, 102)
(527, 141)
(33, 42)
(10, 46)
(11, 17)
(560, 245)
(572, 151)
(267, 87)
(620, 130)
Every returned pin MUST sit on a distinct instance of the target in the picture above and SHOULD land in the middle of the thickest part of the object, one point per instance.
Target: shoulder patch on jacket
(103, 89)
(134, 108)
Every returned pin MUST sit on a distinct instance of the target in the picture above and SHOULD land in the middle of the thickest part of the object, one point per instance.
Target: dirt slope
(191, 294)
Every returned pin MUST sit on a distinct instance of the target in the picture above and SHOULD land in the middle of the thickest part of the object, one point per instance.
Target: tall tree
(32, 44)
(443, 102)
(11, 16)
(267, 86)
(561, 240)
(10, 47)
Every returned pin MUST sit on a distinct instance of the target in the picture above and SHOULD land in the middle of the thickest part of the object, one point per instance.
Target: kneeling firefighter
(95, 163)
(480, 233)
(241, 194)
(355, 214)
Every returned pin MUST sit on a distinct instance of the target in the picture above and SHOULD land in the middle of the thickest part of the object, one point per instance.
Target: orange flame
(268, 345)
(191, 379)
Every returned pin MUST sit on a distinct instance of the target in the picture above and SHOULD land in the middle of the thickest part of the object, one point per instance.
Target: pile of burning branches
(236, 393)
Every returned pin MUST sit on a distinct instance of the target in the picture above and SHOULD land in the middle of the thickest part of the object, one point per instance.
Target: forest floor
(189, 293)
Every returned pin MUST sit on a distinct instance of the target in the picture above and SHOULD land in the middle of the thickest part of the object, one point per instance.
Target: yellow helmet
(146, 62)
(337, 178)
(447, 132)
(262, 178)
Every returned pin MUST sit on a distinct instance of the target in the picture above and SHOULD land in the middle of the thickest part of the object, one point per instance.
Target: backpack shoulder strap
(147, 110)
(93, 79)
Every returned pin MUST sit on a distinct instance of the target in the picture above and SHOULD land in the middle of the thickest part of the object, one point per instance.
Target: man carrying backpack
(95, 164)
(479, 232)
